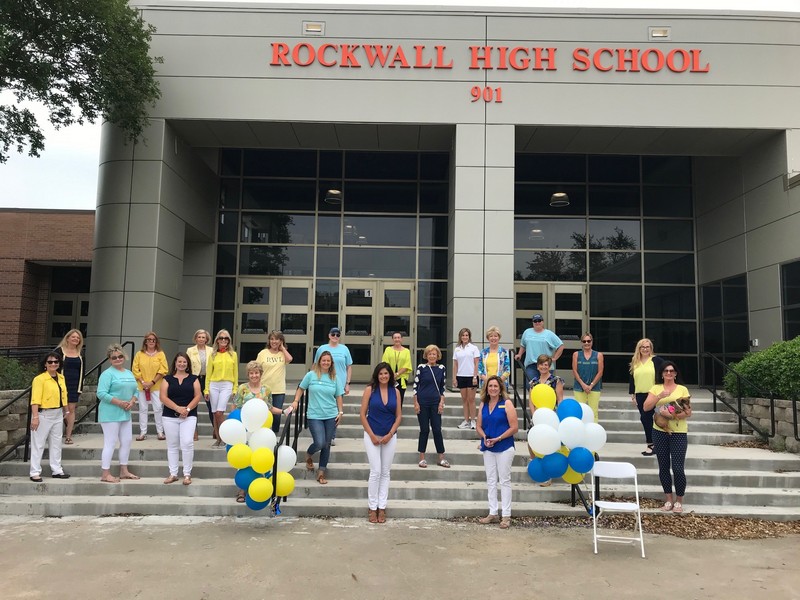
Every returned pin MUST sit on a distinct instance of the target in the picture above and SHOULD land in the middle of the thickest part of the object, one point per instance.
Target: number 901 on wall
(486, 93)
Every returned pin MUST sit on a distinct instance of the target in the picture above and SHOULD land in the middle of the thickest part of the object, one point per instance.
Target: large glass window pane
(614, 200)
(380, 263)
(534, 199)
(225, 293)
(329, 229)
(432, 264)
(326, 206)
(790, 283)
(616, 369)
(622, 267)
(604, 168)
(62, 308)
(222, 320)
(668, 235)
(322, 325)
(712, 337)
(673, 170)
(397, 298)
(562, 168)
(667, 201)
(280, 163)
(616, 335)
(672, 337)
(358, 297)
(549, 266)
(662, 302)
(569, 301)
(380, 165)
(330, 164)
(531, 301)
(668, 268)
(226, 260)
(279, 194)
(361, 353)
(327, 262)
(327, 295)
(228, 226)
(734, 296)
(249, 350)
(230, 160)
(380, 231)
(431, 330)
(433, 231)
(255, 295)
(392, 323)
(393, 197)
(550, 233)
(294, 296)
(294, 323)
(432, 297)
(737, 338)
(70, 280)
(623, 301)
(358, 325)
(569, 329)
(277, 260)
(712, 300)
(434, 198)
(791, 323)
(434, 166)
(614, 234)
(230, 192)
(277, 228)
(254, 322)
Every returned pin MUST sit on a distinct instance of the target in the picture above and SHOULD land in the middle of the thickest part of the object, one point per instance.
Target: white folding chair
(616, 470)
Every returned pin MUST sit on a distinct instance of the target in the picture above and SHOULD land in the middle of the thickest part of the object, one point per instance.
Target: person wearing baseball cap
(536, 341)
(342, 360)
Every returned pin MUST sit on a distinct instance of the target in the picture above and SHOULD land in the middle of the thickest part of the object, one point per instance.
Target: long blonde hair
(215, 346)
(318, 370)
(63, 343)
(636, 359)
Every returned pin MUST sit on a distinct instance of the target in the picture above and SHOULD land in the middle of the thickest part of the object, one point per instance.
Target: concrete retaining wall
(757, 410)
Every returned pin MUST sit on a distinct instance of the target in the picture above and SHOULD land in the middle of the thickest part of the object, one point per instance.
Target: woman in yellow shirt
(399, 358)
(221, 377)
(149, 368)
(48, 410)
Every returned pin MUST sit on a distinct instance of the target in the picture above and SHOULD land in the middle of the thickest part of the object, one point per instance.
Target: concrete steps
(724, 481)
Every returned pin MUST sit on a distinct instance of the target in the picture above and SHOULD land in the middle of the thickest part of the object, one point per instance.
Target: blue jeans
(322, 431)
(277, 402)
(430, 419)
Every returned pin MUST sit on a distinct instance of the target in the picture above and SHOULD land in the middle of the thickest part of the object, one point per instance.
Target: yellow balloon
(572, 476)
(260, 490)
(239, 456)
(268, 423)
(543, 396)
(564, 450)
(262, 461)
(284, 484)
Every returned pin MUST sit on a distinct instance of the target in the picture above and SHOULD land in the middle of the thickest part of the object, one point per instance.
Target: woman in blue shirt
(324, 410)
(497, 425)
(381, 413)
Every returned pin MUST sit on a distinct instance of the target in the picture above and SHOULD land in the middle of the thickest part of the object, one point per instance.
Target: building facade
(628, 173)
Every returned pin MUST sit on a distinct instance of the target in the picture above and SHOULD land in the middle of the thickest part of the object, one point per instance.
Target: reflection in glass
(624, 301)
(255, 295)
(358, 297)
(277, 228)
(616, 336)
(327, 262)
(432, 264)
(380, 263)
(569, 301)
(433, 231)
(569, 329)
(322, 325)
(225, 294)
(380, 196)
(60, 329)
(669, 302)
(254, 323)
(668, 268)
(279, 194)
(294, 296)
(662, 201)
(614, 200)
(329, 229)
(380, 231)
(397, 298)
(294, 323)
(668, 235)
(549, 266)
(432, 296)
(392, 323)
(550, 233)
(277, 260)
(431, 330)
(228, 226)
(84, 311)
(673, 336)
(614, 234)
(534, 199)
(230, 191)
(530, 301)
(791, 323)
(358, 325)
(226, 260)
(223, 320)
(623, 267)
(327, 295)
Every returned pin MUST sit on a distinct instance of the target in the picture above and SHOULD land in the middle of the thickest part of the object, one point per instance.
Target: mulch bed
(754, 443)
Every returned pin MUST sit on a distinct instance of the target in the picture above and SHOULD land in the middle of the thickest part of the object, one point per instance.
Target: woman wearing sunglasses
(587, 368)
(222, 373)
(48, 410)
(149, 368)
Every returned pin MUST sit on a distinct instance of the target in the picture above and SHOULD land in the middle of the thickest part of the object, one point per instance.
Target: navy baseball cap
(335, 330)
(537, 317)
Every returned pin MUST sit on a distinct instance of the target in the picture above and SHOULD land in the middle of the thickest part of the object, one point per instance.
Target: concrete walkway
(298, 558)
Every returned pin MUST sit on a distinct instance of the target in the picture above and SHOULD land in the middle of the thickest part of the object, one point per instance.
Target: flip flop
(444, 463)
(187, 480)
(677, 507)
(162, 437)
(141, 438)
(129, 476)
(112, 480)
(171, 479)
(68, 441)
(240, 497)
(423, 464)
(667, 507)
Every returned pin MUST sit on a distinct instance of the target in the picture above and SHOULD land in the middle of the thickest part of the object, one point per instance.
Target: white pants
(498, 468)
(180, 439)
(113, 432)
(219, 393)
(380, 464)
(158, 409)
(50, 430)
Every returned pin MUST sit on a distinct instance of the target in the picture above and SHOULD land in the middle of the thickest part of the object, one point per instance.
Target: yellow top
(491, 363)
(644, 377)
(46, 393)
(149, 368)
(223, 366)
(197, 363)
(274, 370)
(399, 359)
(676, 425)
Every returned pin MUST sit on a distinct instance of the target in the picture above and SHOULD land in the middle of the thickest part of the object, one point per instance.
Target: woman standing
(671, 443)
(149, 368)
(198, 357)
(117, 392)
(221, 377)
(273, 360)
(465, 375)
(180, 395)
(381, 413)
(429, 381)
(643, 368)
(398, 357)
(494, 359)
(545, 376)
(325, 410)
(48, 410)
(587, 368)
(70, 352)
(497, 426)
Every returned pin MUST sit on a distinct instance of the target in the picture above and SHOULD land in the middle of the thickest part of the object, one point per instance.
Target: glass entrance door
(371, 311)
(66, 311)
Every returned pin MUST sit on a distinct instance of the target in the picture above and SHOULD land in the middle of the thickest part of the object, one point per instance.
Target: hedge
(776, 369)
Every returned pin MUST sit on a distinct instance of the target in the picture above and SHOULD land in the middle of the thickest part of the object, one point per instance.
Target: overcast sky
(66, 174)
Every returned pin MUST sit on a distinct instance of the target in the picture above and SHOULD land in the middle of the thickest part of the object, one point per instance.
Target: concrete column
(481, 260)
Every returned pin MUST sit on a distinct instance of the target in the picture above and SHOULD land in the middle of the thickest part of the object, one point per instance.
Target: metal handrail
(738, 409)
(521, 401)
(300, 422)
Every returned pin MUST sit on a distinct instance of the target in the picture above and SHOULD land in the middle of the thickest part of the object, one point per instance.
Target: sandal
(162, 437)
(649, 451)
(309, 463)
(111, 480)
(667, 507)
(129, 476)
(68, 441)
(423, 464)
(547, 483)
(381, 515)
(321, 477)
(444, 463)
(372, 516)
(505, 523)
(240, 496)
(187, 480)
(677, 507)
(141, 438)
(171, 479)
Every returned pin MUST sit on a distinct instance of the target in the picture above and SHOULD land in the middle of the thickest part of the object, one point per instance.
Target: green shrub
(16, 375)
(776, 369)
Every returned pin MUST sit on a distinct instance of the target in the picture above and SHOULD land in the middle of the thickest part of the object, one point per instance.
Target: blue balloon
(581, 460)
(569, 408)
(252, 504)
(236, 414)
(536, 470)
(244, 477)
(555, 465)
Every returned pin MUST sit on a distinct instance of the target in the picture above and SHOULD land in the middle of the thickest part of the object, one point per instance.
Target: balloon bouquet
(564, 440)
(250, 443)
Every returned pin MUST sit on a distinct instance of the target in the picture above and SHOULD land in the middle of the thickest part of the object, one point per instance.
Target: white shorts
(219, 394)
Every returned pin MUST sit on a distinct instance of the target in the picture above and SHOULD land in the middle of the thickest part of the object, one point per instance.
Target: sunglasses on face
(117, 357)
(538, 321)
(53, 362)
(224, 339)
(669, 371)
(586, 341)
(335, 334)
(149, 340)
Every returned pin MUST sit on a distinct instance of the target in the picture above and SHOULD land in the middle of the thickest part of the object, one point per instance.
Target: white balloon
(286, 459)
(595, 437)
(543, 439)
(546, 416)
(588, 413)
(572, 432)
(233, 432)
(254, 414)
(263, 438)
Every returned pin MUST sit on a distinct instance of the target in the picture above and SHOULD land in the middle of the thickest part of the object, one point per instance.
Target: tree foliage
(774, 369)
(80, 59)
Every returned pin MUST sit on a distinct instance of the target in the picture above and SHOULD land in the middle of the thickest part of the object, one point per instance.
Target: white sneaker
(464, 424)
(472, 424)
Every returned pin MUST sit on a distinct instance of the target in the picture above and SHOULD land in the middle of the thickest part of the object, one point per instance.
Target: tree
(80, 59)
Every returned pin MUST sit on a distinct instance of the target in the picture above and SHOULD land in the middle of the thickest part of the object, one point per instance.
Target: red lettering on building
(581, 60)
(309, 51)
(348, 58)
(521, 64)
(539, 58)
(376, 53)
(418, 64)
(440, 64)
(696, 62)
(598, 55)
(321, 55)
(477, 57)
(647, 64)
(399, 57)
(624, 58)
(280, 54)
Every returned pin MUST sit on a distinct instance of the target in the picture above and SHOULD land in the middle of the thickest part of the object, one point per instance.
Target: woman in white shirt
(465, 375)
